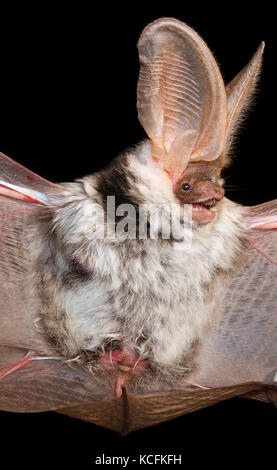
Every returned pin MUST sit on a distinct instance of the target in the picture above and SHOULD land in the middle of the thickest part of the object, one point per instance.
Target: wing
(14, 173)
(243, 348)
(31, 377)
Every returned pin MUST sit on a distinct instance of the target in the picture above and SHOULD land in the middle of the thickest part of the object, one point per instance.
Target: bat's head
(201, 186)
(188, 113)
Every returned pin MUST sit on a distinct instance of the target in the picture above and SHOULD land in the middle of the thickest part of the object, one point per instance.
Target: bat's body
(169, 291)
(142, 313)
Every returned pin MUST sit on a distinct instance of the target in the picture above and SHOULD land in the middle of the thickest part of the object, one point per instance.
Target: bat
(128, 321)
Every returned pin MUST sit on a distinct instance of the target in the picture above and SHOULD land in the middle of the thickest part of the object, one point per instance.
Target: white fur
(158, 303)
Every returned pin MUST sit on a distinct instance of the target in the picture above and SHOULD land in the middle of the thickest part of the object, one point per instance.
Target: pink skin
(11, 193)
(18, 365)
(265, 222)
(252, 244)
(22, 363)
(125, 363)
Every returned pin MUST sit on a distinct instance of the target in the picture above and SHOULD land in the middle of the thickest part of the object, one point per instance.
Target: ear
(181, 98)
(239, 92)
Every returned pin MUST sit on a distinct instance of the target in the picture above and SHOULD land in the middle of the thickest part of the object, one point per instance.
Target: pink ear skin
(239, 92)
(181, 98)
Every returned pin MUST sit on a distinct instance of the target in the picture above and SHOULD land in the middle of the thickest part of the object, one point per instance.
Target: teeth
(204, 205)
(209, 203)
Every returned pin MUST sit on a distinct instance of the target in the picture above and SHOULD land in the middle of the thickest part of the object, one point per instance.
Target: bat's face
(137, 178)
(201, 186)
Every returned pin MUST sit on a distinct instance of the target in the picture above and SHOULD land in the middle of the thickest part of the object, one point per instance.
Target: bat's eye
(186, 187)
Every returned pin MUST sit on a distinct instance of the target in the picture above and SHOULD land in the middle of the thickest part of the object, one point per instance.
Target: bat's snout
(202, 195)
(206, 190)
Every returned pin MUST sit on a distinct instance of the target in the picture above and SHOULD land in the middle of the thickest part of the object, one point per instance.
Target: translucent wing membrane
(17, 182)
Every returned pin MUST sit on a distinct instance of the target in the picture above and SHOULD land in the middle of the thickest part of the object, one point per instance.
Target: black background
(67, 106)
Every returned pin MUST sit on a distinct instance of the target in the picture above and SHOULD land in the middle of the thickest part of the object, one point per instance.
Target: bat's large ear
(181, 97)
(239, 92)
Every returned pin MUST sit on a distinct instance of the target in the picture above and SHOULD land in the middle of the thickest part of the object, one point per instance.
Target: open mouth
(202, 210)
(208, 204)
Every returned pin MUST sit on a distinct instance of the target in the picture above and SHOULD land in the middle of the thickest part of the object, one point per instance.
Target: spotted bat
(133, 295)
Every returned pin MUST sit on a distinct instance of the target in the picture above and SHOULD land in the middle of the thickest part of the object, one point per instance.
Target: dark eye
(186, 186)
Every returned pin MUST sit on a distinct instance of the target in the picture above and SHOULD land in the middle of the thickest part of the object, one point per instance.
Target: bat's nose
(204, 190)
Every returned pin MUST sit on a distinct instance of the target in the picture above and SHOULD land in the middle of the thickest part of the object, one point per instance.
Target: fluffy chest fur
(160, 300)
(157, 297)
